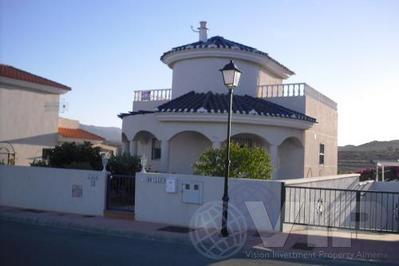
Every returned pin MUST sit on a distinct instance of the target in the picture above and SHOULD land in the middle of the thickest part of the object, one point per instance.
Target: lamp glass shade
(231, 75)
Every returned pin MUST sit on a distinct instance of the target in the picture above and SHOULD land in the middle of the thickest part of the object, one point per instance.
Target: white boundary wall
(53, 189)
(154, 204)
(392, 186)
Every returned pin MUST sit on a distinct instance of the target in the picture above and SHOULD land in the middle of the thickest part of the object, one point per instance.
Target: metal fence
(342, 208)
(120, 192)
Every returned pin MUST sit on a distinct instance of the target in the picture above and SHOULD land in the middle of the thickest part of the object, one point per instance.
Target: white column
(133, 147)
(275, 160)
(216, 144)
(382, 173)
(125, 147)
(164, 156)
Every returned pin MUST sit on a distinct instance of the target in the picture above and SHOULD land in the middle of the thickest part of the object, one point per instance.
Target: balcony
(293, 90)
(264, 91)
(152, 95)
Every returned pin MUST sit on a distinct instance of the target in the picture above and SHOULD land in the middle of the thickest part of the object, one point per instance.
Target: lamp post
(231, 77)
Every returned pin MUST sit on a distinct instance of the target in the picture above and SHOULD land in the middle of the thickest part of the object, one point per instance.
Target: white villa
(295, 123)
(29, 106)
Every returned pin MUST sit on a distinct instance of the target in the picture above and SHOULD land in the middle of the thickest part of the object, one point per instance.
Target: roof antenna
(192, 28)
(202, 30)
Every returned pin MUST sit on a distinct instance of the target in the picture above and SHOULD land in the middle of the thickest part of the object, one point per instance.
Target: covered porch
(174, 146)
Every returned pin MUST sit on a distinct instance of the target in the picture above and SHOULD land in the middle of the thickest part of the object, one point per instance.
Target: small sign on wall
(171, 185)
(77, 191)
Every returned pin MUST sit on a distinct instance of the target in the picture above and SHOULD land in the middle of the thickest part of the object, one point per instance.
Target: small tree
(72, 155)
(124, 164)
(246, 162)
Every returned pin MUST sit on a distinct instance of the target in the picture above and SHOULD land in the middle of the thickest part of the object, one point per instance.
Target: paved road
(22, 244)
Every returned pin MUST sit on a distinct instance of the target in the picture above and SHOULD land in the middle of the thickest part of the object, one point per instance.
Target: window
(155, 149)
(321, 154)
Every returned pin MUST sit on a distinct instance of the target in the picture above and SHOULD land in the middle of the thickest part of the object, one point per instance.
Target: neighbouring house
(29, 107)
(69, 131)
(295, 123)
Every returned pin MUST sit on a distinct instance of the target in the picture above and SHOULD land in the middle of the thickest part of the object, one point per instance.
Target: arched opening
(185, 149)
(291, 157)
(250, 140)
(145, 144)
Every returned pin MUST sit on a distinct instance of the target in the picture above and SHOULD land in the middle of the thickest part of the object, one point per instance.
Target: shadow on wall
(39, 140)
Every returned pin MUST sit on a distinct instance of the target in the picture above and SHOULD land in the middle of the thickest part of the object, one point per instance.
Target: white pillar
(216, 144)
(164, 156)
(275, 160)
(125, 147)
(133, 147)
(376, 173)
(382, 173)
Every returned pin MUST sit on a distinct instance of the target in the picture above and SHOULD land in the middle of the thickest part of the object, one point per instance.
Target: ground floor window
(155, 149)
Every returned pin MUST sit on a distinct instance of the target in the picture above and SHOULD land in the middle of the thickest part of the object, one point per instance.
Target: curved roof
(220, 42)
(19, 74)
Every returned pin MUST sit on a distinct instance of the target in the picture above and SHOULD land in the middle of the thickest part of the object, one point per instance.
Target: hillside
(352, 158)
(111, 134)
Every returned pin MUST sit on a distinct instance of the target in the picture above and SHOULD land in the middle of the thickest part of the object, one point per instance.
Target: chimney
(203, 36)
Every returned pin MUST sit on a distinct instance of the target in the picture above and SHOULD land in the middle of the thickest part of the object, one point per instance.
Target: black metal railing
(120, 192)
(342, 208)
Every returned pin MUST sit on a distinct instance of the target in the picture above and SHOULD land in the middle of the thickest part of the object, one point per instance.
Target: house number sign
(156, 180)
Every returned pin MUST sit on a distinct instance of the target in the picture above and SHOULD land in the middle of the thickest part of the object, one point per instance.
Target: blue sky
(348, 50)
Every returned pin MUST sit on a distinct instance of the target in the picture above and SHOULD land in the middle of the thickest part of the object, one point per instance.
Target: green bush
(124, 164)
(74, 156)
(246, 162)
(39, 163)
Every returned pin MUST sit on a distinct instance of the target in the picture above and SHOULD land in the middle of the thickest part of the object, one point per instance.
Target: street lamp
(231, 77)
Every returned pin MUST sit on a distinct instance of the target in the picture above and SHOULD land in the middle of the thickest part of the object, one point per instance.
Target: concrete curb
(95, 230)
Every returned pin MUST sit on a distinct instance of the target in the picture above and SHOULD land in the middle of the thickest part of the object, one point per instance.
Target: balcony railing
(282, 90)
(293, 90)
(264, 91)
(152, 95)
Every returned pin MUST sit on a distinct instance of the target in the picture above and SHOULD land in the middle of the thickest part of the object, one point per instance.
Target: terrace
(264, 91)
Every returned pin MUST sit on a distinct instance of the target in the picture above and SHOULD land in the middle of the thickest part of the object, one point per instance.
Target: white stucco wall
(51, 189)
(203, 75)
(385, 186)
(29, 121)
(325, 131)
(153, 204)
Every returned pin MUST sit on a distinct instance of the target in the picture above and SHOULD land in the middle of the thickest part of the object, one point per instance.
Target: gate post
(357, 211)
(108, 191)
(282, 206)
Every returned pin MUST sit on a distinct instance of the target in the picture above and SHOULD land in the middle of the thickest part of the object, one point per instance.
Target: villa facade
(293, 122)
(29, 107)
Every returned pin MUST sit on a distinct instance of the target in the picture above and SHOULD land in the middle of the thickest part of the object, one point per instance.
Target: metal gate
(342, 208)
(120, 192)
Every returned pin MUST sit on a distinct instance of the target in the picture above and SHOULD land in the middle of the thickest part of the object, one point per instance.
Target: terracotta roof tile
(77, 133)
(15, 73)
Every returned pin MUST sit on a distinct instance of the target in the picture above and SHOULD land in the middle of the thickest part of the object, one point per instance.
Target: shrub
(72, 155)
(39, 163)
(246, 162)
(124, 164)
